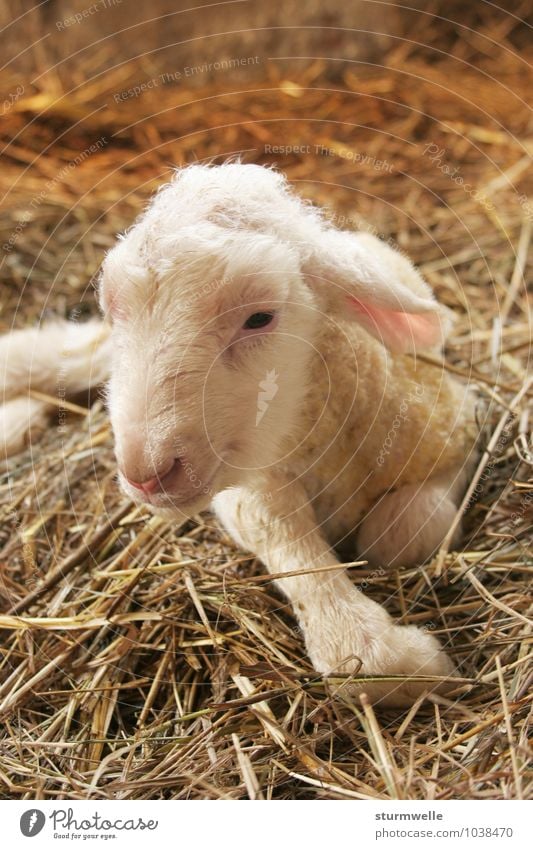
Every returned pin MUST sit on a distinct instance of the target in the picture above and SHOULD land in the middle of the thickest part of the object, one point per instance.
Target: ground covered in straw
(141, 659)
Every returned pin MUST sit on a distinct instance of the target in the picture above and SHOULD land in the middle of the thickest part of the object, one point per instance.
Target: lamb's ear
(361, 277)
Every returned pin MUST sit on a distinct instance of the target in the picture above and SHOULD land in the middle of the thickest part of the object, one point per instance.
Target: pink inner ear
(399, 331)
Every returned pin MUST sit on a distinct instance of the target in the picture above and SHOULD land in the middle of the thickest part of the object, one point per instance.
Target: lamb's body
(382, 423)
(359, 448)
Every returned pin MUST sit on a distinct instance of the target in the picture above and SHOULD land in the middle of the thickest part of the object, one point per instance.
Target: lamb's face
(210, 359)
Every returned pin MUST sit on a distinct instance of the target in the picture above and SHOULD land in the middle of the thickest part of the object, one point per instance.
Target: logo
(32, 822)
(269, 391)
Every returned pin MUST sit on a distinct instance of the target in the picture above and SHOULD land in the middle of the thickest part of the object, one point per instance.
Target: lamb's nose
(157, 482)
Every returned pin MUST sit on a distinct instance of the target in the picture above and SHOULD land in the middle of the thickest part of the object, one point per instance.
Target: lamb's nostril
(157, 482)
(146, 486)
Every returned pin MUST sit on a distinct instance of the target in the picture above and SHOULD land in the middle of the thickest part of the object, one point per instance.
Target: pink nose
(157, 482)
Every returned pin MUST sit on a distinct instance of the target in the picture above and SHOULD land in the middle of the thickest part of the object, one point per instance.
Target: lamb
(263, 362)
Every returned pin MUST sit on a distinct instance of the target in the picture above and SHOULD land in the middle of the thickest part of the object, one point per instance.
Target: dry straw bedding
(144, 659)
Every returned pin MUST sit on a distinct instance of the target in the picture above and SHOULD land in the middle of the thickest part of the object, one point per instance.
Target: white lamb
(250, 367)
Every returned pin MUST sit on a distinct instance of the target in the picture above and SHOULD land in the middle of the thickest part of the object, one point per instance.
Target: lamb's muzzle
(161, 480)
(250, 367)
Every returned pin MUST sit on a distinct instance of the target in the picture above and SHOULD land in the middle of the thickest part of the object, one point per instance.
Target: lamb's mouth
(197, 497)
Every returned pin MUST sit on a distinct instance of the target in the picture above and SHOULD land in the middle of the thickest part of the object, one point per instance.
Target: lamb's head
(218, 297)
(211, 338)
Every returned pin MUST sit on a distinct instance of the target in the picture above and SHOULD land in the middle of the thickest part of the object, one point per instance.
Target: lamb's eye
(258, 320)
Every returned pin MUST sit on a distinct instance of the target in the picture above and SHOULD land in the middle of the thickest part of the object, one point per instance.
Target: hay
(141, 659)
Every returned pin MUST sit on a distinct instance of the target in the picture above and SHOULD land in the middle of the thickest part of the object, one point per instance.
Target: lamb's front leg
(345, 632)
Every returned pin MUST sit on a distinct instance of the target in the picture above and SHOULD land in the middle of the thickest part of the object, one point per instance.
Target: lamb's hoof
(397, 658)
